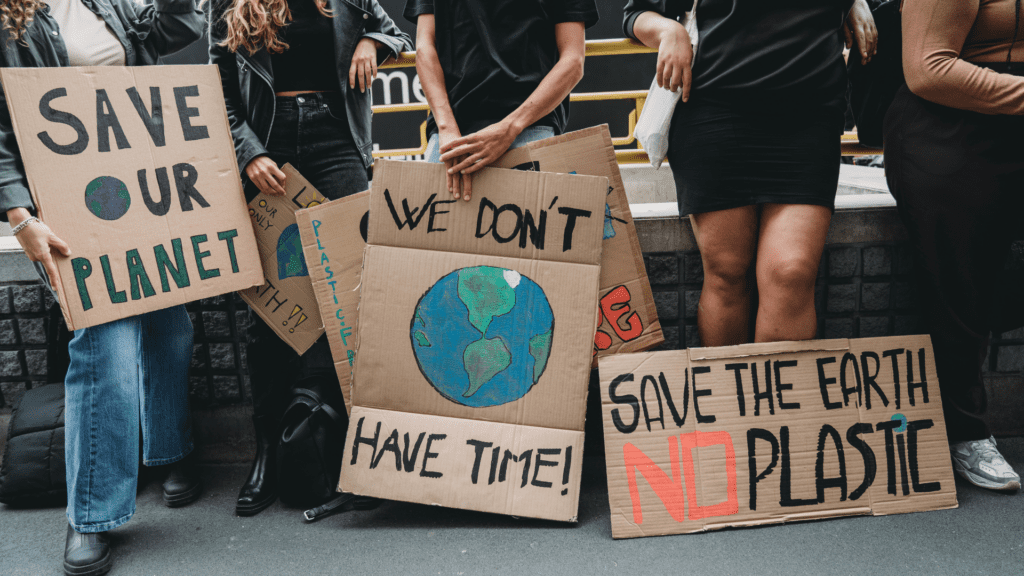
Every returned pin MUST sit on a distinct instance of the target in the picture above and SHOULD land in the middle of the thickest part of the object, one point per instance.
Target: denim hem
(103, 527)
(163, 461)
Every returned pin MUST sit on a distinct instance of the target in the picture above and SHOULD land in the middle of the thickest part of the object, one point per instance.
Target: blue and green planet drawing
(107, 198)
(290, 260)
(482, 335)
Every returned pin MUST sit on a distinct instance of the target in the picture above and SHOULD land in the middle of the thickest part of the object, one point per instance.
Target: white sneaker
(981, 464)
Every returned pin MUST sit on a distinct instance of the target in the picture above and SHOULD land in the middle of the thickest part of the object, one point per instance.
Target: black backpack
(32, 472)
(312, 440)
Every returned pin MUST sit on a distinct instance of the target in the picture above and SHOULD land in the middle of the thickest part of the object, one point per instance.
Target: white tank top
(88, 39)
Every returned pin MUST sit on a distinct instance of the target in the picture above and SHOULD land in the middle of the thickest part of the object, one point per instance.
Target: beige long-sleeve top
(942, 41)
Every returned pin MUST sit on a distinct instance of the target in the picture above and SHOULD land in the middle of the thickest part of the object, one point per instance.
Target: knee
(793, 275)
(726, 273)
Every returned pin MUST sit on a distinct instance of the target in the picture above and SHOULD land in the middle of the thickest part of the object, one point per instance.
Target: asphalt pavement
(985, 535)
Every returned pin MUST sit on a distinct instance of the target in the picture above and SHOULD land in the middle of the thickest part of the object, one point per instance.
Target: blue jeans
(124, 375)
(531, 134)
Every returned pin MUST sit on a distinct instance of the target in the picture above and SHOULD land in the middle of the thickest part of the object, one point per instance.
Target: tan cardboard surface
(286, 300)
(135, 169)
(812, 430)
(628, 319)
(333, 241)
(476, 326)
(470, 464)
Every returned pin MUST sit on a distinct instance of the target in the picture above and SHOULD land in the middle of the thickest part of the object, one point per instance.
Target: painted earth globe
(107, 198)
(482, 335)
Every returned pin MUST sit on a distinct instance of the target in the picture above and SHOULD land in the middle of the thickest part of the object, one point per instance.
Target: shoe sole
(183, 499)
(982, 482)
(254, 509)
(101, 566)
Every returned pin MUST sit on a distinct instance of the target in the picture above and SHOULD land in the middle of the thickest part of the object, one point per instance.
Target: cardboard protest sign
(285, 301)
(709, 438)
(475, 329)
(627, 317)
(333, 238)
(135, 169)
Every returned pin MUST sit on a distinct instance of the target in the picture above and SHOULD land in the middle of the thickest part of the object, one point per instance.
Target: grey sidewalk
(985, 535)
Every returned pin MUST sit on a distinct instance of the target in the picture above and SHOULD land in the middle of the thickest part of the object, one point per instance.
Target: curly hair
(254, 24)
(16, 15)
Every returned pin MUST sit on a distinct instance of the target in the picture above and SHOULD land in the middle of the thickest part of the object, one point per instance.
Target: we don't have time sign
(135, 169)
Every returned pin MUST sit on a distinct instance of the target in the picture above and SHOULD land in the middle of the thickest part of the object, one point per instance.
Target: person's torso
(309, 62)
(770, 51)
(87, 38)
(996, 33)
(494, 55)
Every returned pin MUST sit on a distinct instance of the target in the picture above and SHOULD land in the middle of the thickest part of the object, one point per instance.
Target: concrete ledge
(645, 185)
(858, 218)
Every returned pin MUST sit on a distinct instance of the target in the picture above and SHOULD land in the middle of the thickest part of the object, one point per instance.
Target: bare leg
(792, 238)
(727, 240)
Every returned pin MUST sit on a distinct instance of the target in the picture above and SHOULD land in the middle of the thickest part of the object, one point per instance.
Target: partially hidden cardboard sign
(475, 334)
(135, 169)
(627, 317)
(333, 239)
(286, 300)
(709, 438)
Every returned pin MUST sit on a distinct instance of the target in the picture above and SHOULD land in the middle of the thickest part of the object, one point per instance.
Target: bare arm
(675, 53)
(484, 147)
(934, 32)
(428, 67)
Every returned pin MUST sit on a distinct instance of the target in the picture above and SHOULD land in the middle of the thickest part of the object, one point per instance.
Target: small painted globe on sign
(107, 198)
(482, 335)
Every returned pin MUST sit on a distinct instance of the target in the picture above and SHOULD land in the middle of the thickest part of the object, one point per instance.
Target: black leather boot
(86, 554)
(260, 488)
(183, 485)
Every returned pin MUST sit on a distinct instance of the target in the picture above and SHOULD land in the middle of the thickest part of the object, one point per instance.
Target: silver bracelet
(23, 225)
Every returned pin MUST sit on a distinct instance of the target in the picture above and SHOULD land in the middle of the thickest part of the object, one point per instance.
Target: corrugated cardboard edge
(307, 215)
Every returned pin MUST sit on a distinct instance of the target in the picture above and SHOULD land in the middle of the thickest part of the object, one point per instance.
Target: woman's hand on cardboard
(264, 173)
(460, 185)
(39, 243)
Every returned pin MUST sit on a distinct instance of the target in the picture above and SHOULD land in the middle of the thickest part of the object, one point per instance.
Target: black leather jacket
(249, 80)
(146, 32)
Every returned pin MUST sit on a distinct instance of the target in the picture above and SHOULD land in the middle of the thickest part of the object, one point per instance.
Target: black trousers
(311, 133)
(958, 180)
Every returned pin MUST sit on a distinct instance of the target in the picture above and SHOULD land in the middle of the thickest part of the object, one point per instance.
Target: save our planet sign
(476, 324)
(135, 169)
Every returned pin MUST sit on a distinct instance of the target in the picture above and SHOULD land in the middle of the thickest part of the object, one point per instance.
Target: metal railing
(621, 47)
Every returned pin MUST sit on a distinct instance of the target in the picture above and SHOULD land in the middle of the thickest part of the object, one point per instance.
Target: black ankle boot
(183, 485)
(86, 554)
(260, 488)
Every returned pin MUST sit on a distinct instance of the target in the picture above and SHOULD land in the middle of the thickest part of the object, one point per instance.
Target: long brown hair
(254, 24)
(16, 15)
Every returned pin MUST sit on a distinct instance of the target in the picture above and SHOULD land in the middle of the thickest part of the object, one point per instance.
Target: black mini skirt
(725, 157)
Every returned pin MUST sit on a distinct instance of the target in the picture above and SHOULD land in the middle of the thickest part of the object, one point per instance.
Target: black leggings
(958, 180)
(310, 132)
